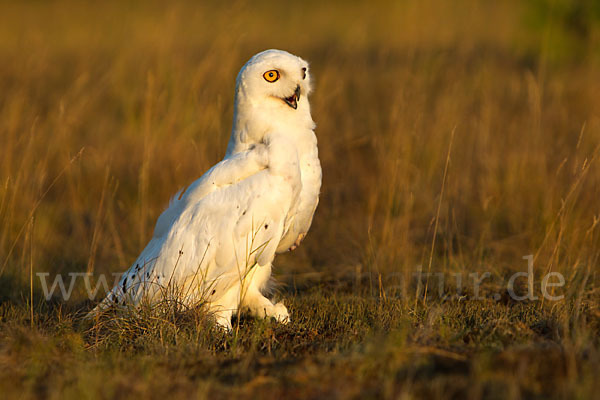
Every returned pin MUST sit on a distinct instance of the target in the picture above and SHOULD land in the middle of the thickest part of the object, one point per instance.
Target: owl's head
(275, 79)
(271, 94)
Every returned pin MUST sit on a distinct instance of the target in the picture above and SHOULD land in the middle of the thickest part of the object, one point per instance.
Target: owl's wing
(229, 171)
(231, 220)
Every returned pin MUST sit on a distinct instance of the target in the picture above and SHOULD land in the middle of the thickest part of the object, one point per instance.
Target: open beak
(292, 101)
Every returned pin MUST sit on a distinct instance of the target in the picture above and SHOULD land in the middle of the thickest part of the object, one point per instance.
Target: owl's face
(276, 79)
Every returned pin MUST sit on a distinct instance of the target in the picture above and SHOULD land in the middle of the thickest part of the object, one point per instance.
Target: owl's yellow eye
(271, 76)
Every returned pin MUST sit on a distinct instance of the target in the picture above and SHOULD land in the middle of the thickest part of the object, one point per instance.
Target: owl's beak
(292, 101)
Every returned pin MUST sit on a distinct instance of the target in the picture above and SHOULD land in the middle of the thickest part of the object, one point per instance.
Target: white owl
(215, 243)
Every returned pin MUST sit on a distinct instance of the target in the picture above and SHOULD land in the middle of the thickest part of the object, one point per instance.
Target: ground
(459, 144)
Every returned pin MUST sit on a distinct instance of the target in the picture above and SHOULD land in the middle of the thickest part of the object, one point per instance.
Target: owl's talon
(298, 241)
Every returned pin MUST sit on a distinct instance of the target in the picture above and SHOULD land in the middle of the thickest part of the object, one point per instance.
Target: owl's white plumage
(215, 243)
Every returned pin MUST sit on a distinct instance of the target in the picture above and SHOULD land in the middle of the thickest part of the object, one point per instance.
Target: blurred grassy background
(146, 90)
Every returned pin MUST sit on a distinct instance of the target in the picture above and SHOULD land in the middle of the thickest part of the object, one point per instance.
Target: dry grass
(107, 109)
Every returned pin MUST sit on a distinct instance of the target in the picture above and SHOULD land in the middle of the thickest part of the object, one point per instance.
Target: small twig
(31, 271)
(37, 204)
(437, 215)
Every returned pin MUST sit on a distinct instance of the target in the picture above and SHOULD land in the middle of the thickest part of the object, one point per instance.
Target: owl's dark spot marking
(213, 292)
(125, 284)
(137, 267)
(303, 73)
(244, 213)
(266, 226)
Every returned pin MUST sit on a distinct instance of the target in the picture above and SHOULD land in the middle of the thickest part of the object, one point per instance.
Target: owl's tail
(109, 301)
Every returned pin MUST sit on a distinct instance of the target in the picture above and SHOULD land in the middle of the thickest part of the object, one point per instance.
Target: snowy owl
(215, 243)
